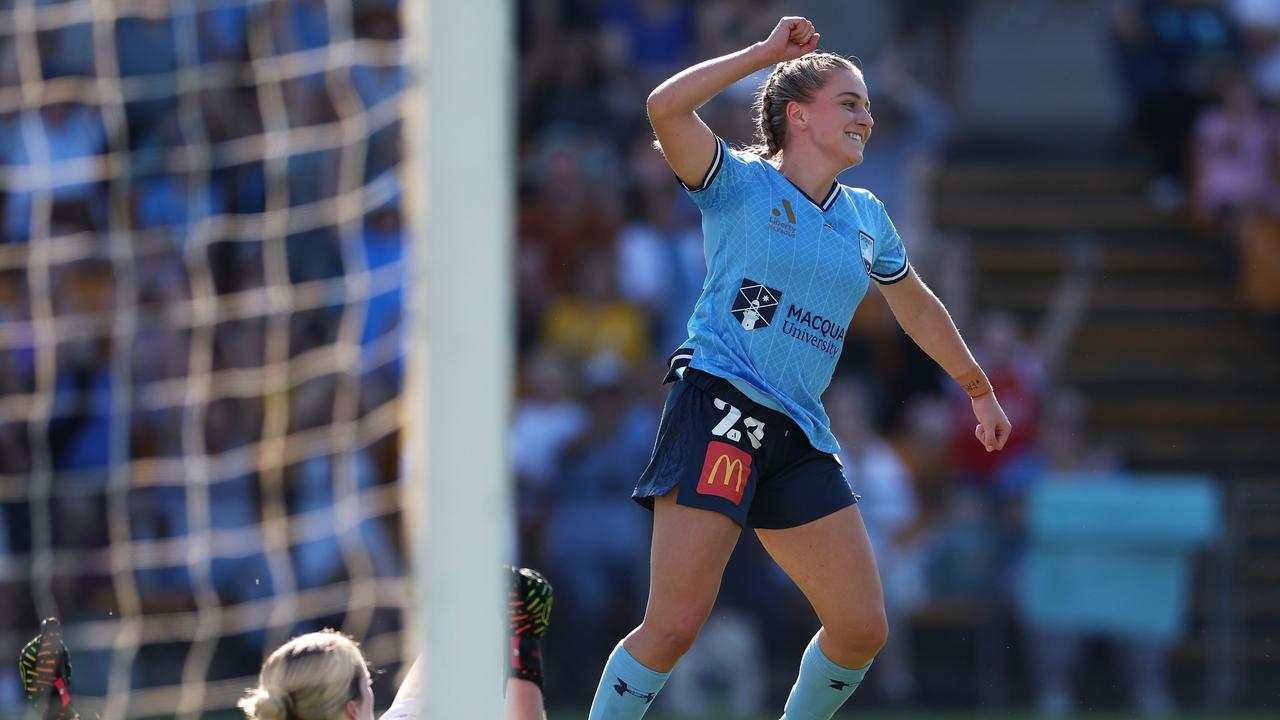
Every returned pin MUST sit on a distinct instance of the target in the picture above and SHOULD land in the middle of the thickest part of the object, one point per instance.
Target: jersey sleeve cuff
(893, 277)
(716, 163)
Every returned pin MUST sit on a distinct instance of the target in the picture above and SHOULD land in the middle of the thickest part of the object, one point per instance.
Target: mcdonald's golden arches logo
(726, 471)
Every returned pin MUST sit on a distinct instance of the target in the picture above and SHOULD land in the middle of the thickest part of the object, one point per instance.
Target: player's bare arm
(687, 142)
(924, 318)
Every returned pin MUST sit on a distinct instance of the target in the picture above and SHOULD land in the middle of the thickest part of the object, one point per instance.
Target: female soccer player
(744, 440)
(324, 676)
(317, 676)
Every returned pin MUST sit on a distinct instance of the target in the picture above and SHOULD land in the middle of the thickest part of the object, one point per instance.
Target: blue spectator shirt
(784, 276)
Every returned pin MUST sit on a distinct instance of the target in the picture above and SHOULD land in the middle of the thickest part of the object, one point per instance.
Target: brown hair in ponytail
(791, 81)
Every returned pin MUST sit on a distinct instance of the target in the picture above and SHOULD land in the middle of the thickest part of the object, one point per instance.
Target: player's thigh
(691, 547)
(831, 561)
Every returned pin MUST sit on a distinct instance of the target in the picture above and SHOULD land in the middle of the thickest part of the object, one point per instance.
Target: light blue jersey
(784, 276)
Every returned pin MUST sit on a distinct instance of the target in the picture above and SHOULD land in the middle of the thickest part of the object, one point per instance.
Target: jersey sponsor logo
(867, 245)
(776, 224)
(755, 304)
(725, 472)
(815, 330)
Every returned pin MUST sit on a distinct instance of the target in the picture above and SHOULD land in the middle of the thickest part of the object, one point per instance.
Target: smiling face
(819, 102)
(838, 119)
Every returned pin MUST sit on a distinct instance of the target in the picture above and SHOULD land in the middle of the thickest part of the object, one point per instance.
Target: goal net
(202, 256)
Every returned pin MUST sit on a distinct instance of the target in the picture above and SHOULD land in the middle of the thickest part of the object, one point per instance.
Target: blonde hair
(795, 80)
(311, 677)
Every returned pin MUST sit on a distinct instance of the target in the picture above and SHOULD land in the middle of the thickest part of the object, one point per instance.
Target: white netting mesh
(200, 356)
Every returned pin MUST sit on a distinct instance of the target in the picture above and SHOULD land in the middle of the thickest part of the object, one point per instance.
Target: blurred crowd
(610, 264)
(1202, 80)
(201, 201)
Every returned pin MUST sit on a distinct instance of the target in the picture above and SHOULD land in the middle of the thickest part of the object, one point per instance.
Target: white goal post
(460, 188)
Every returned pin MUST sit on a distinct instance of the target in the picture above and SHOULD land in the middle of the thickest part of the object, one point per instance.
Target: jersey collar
(828, 200)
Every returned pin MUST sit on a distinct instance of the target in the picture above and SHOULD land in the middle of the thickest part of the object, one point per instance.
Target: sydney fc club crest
(755, 304)
(867, 245)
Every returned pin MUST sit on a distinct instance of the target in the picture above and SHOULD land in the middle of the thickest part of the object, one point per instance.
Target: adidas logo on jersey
(778, 225)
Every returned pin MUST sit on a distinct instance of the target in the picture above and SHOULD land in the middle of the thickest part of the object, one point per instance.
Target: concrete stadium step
(1068, 198)
(1259, 497)
(1185, 450)
(1199, 295)
(1263, 603)
(1116, 256)
(1266, 527)
(1258, 492)
(1212, 322)
(1255, 414)
(1051, 179)
(986, 212)
(1172, 339)
(1263, 568)
(1210, 369)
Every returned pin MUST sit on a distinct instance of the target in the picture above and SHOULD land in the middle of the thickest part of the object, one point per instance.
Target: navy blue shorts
(736, 457)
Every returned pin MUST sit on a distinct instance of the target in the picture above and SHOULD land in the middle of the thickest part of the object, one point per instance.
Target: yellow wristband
(974, 382)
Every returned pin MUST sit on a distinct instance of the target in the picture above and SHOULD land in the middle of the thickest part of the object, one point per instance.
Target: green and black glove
(45, 667)
(529, 614)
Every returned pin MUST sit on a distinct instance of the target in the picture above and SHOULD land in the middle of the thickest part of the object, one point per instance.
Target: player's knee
(674, 636)
(861, 636)
(877, 634)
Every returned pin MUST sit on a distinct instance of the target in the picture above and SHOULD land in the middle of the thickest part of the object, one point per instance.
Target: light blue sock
(626, 688)
(822, 686)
